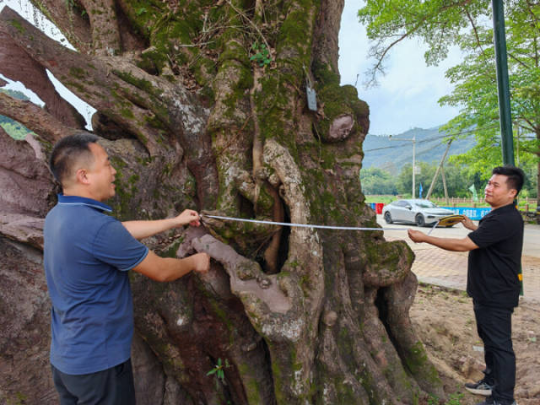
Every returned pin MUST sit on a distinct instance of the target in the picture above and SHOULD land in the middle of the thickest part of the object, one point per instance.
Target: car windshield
(425, 204)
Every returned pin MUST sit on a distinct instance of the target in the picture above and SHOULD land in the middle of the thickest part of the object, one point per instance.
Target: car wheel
(388, 217)
(420, 221)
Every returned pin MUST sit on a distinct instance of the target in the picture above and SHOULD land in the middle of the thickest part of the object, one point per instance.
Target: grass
(453, 399)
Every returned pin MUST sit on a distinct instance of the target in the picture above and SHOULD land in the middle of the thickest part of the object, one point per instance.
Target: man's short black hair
(67, 151)
(515, 176)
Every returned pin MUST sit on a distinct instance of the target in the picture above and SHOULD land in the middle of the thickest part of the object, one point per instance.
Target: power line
(468, 131)
(386, 147)
(423, 152)
(399, 146)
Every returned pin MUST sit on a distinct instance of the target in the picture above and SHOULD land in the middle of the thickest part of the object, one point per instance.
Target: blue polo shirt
(86, 257)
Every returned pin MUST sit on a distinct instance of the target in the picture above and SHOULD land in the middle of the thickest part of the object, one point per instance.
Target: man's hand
(469, 224)
(201, 262)
(188, 217)
(168, 269)
(143, 229)
(416, 236)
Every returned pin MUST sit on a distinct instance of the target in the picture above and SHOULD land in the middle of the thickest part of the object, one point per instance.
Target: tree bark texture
(202, 104)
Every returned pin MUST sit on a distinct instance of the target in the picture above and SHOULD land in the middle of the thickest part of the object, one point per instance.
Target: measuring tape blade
(341, 228)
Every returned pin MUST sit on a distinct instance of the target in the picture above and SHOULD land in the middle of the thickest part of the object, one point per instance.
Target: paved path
(449, 269)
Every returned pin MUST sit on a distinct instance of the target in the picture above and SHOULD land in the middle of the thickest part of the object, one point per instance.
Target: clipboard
(451, 220)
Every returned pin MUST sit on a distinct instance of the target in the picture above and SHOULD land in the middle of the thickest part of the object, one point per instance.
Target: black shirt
(493, 270)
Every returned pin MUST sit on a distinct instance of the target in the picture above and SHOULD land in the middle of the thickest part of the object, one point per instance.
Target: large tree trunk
(293, 315)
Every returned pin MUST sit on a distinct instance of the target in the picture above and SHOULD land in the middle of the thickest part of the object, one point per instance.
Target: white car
(419, 212)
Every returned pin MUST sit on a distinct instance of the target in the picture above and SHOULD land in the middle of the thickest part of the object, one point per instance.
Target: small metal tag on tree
(311, 98)
(310, 93)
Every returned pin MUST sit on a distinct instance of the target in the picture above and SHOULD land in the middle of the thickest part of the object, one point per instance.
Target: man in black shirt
(495, 247)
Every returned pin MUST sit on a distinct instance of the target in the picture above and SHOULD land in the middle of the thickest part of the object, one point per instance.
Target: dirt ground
(444, 320)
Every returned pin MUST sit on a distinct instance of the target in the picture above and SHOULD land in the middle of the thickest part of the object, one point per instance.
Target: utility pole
(438, 170)
(413, 140)
(413, 166)
(444, 185)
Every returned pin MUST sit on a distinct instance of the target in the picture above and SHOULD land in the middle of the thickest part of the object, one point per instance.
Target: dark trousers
(495, 329)
(113, 386)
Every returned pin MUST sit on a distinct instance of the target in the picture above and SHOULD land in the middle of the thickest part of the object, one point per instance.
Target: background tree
(377, 182)
(442, 24)
(458, 180)
(202, 104)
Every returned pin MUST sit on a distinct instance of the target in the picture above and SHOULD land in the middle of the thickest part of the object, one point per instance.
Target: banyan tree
(233, 108)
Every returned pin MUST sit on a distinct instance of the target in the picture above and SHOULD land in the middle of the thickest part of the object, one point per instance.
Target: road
(436, 266)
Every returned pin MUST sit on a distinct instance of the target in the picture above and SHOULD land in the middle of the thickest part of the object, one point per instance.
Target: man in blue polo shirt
(495, 247)
(87, 257)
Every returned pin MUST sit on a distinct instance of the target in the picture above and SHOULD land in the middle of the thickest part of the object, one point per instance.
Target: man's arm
(452, 244)
(143, 229)
(169, 269)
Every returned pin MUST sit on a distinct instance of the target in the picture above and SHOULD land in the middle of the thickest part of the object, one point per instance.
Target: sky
(407, 95)
(405, 98)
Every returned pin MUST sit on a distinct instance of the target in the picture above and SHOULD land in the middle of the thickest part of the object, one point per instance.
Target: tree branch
(519, 61)
(530, 9)
(26, 184)
(90, 79)
(17, 65)
(104, 25)
(69, 20)
(34, 118)
(374, 51)
(379, 51)
(479, 44)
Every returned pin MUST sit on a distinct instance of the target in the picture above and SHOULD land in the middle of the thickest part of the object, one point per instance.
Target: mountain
(392, 152)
